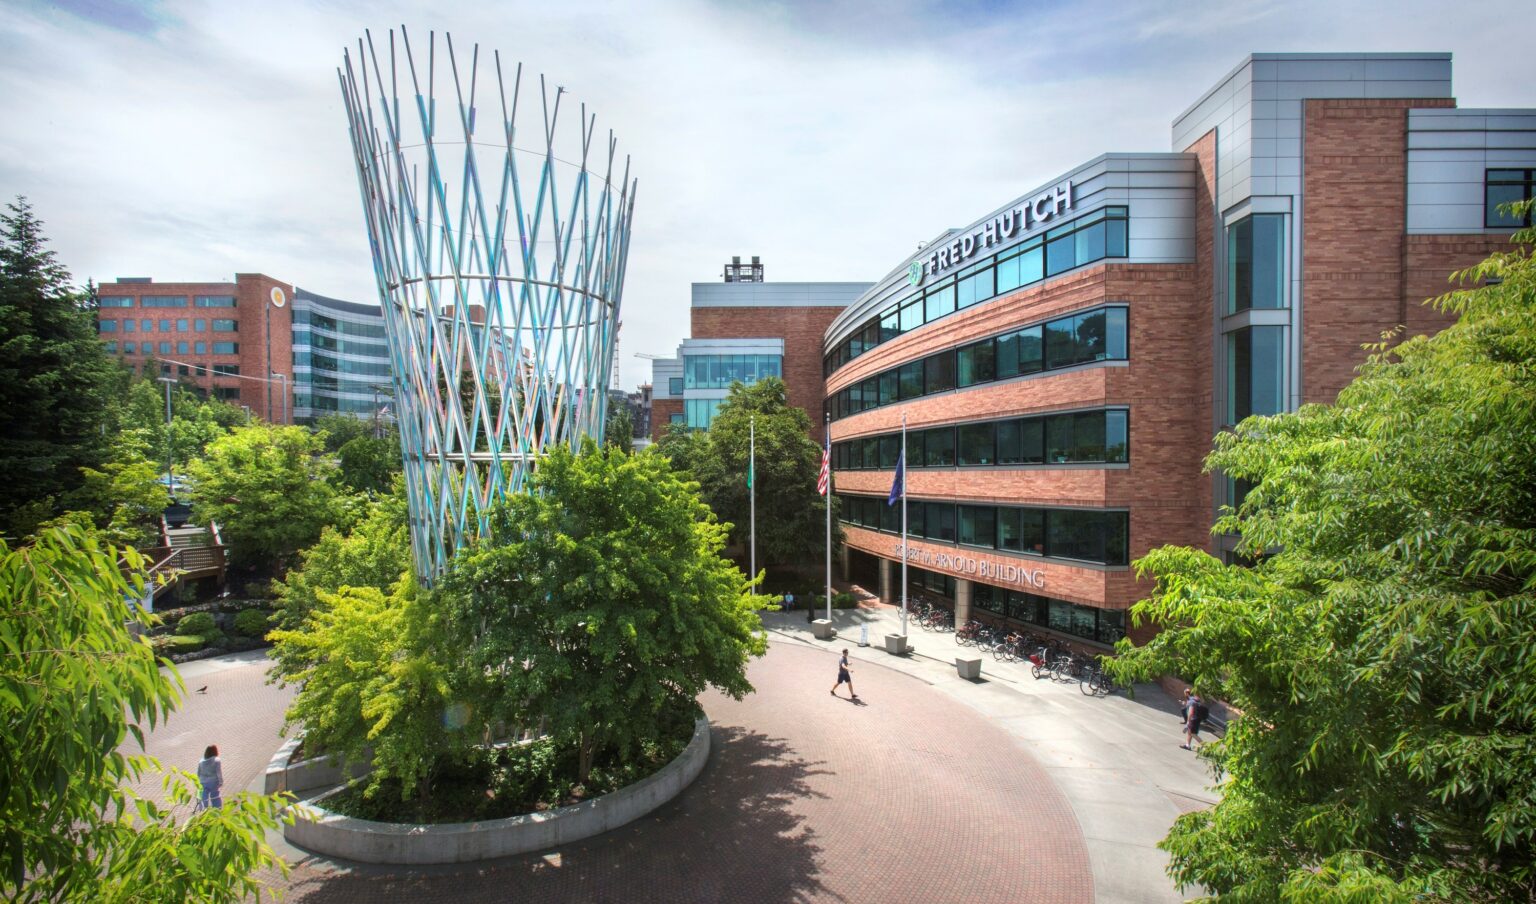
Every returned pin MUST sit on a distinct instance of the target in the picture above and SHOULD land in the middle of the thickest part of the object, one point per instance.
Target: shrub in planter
(170, 644)
(197, 623)
(216, 638)
(253, 623)
(844, 600)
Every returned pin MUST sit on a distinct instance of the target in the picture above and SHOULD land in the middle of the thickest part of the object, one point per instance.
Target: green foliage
(269, 488)
(169, 644)
(253, 622)
(199, 623)
(376, 554)
(337, 430)
(790, 513)
(56, 383)
(619, 430)
(1384, 655)
(369, 464)
(599, 604)
(76, 684)
(195, 421)
(375, 675)
(124, 497)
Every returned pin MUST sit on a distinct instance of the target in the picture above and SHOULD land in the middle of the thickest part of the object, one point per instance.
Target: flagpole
(903, 525)
(827, 438)
(752, 490)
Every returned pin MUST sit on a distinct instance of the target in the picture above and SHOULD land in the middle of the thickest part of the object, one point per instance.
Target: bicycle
(1095, 682)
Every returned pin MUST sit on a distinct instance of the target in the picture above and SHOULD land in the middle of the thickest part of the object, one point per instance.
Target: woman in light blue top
(210, 773)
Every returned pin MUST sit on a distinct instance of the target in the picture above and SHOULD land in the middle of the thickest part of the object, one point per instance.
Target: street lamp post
(282, 380)
(170, 481)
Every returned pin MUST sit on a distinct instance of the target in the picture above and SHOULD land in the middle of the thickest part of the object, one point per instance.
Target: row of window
(336, 325)
(1089, 238)
(331, 403)
(345, 346)
(168, 326)
(167, 301)
(1507, 186)
(1085, 535)
(720, 371)
(168, 348)
(1102, 625)
(699, 414)
(1076, 437)
(342, 365)
(1098, 334)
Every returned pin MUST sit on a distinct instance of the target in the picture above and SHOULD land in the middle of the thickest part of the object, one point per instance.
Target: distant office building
(340, 359)
(287, 354)
(745, 329)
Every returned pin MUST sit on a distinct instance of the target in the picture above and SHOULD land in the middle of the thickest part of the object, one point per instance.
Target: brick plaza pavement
(805, 798)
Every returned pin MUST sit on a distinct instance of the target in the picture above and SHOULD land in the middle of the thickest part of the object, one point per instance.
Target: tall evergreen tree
(56, 383)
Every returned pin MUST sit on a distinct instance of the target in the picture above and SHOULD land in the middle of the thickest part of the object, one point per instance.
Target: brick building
(1061, 364)
(229, 339)
(746, 329)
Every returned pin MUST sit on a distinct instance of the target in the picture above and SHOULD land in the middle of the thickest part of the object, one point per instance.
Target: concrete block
(896, 644)
(969, 667)
(821, 628)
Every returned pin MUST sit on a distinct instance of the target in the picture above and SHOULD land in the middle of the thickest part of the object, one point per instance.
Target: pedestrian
(844, 674)
(1197, 713)
(210, 774)
(1184, 706)
(789, 602)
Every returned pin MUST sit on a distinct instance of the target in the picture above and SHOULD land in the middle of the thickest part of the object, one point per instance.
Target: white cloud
(828, 138)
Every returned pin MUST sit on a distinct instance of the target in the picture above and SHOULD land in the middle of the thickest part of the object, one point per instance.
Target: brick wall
(1354, 163)
(254, 308)
(661, 415)
(800, 328)
(1428, 262)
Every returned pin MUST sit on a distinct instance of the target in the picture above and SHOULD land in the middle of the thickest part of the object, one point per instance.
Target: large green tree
(75, 683)
(369, 463)
(790, 513)
(619, 430)
(600, 604)
(270, 489)
(1382, 651)
(376, 554)
(56, 383)
(195, 421)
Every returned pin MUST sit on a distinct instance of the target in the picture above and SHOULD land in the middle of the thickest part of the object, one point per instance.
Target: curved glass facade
(340, 360)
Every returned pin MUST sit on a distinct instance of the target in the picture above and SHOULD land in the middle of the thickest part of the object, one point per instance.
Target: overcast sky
(193, 140)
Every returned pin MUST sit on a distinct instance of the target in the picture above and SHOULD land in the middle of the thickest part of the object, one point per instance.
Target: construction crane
(650, 357)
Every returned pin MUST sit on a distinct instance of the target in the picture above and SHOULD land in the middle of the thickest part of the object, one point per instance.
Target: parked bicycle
(1095, 682)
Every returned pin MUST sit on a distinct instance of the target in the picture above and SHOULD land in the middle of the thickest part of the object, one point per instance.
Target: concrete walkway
(1117, 760)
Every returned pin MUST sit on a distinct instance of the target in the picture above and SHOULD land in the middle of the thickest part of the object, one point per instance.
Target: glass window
(200, 348)
(939, 447)
(890, 516)
(1111, 626)
(1115, 244)
(223, 348)
(870, 452)
(978, 525)
(1030, 350)
(181, 326)
(1031, 528)
(1058, 438)
(163, 301)
(1061, 343)
(130, 348)
(698, 414)
(1008, 529)
(940, 521)
(1255, 372)
(988, 598)
(183, 348)
(225, 326)
(977, 444)
(1009, 446)
(890, 325)
(165, 348)
(1032, 264)
(912, 315)
(915, 456)
(890, 447)
(109, 346)
(200, 325)
(887, 387)
(1008, 275)
(130, 325)
(107, 326)
(973, 288)
(218, 301)
(1506, 186)
(939, 372)
(975, 363)
(1026, 607)
(115, 301)
(675, 386)
(675, 418)
(1256, 263)
(1060, 255)
(147, 326)
(911, 378)
(1115, 334)
(165, 326)
(1090, 243)
(938, 302)
(1090, 337)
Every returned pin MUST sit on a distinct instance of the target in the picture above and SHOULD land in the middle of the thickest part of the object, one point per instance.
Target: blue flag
(899, 485)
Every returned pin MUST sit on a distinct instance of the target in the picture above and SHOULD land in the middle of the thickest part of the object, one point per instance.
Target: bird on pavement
(203, 689)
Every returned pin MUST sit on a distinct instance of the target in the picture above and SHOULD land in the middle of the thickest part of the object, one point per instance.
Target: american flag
(824, 480)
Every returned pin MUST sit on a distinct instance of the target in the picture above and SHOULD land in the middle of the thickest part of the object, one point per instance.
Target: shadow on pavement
(734, 835)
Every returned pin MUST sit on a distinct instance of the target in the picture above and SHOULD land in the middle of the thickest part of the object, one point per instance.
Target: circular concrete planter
(324, 832)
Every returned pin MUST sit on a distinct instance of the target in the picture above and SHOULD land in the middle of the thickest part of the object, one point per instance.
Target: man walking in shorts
(843, 675)
(1195, 714)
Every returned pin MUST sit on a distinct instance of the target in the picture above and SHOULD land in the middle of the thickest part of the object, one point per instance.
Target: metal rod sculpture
(500, 267)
